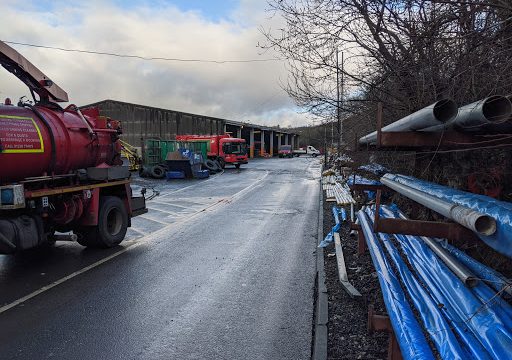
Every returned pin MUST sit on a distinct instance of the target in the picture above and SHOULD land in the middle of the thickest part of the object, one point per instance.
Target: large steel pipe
(471, 219)
(487, 113)
(438, 113)
(504, 127)
(492, 110)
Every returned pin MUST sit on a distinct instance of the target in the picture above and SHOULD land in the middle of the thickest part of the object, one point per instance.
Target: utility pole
(325, 145)
(332, 134)
(342, 94)
(338, 98)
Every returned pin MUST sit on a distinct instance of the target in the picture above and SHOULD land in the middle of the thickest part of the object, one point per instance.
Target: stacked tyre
(213, 166)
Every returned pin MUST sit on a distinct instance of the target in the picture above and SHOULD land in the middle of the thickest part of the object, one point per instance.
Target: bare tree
(405, 53)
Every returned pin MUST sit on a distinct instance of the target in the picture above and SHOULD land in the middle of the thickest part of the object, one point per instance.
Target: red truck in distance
(225, 149)
(285, 151)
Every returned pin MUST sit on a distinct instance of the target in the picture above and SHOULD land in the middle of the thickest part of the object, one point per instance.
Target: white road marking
(167, 203)
(164, 211)
(131, 228)
(150, 219)
(143, 240)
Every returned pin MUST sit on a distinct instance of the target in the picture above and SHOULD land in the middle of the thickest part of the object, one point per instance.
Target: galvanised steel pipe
(501, 240)
(490, 276)
(471, 219)
(462, 272)
(438, 113)
(493, 111)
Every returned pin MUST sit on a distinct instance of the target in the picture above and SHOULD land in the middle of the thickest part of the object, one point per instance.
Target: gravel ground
(347, 327)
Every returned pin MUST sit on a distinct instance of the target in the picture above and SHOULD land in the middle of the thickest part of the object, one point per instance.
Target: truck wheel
(315, 155)
(112, 225)
(237, 166)
(222, 163)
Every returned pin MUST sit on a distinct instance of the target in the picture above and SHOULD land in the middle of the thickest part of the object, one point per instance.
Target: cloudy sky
(185, 29)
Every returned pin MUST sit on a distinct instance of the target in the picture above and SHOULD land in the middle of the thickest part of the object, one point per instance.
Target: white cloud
(245, 92)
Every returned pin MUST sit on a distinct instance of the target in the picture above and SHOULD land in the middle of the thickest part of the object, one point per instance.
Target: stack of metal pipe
(336, 190)
(489, 115)
(342, 195)
(453, 318)
(489, 218)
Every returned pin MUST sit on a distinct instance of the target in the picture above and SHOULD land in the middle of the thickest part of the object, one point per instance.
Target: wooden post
(379, 124)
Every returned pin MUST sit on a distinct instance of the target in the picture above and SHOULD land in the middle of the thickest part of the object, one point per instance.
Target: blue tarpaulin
(362, 180)
(501, 240)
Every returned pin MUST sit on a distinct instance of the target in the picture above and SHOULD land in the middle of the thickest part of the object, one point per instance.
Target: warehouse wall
(140, 121)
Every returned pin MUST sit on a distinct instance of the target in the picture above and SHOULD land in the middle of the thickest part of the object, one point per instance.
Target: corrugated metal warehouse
(144, 122)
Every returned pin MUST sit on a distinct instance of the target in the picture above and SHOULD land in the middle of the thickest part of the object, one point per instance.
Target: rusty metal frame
(450, 231)
(439, 140)
(361, 241)
(381, 323)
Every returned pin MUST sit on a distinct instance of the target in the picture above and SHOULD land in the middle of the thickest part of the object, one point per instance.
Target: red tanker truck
(59, 169)
(225, 149)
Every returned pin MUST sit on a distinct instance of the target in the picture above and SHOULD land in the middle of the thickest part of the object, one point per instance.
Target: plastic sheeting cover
(488, 318)
(362, 180)
(501, 240)
(436, 325)
(374, 168)
(495, 280)
(338, 213)
(329, 238)
(408, 332)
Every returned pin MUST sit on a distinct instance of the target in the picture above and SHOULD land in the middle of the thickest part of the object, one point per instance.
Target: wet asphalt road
(218, 269)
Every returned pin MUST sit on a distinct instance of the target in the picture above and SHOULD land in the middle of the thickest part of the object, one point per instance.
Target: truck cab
(225, 149)
(234, 151)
